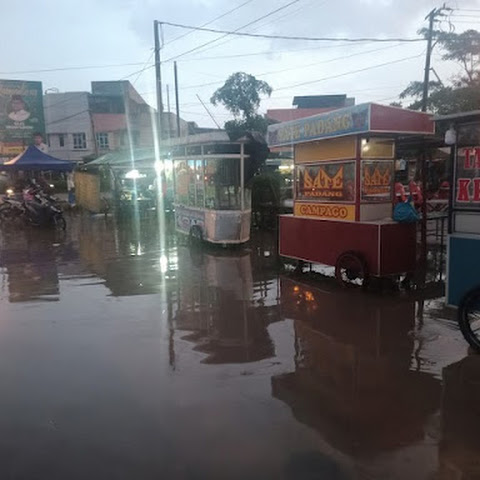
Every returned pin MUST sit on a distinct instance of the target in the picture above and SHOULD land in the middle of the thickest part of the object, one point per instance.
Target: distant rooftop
(323, 101)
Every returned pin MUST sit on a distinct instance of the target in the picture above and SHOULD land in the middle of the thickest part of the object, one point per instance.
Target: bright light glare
(134, 174)
(163, 263)
(9, 191)
(158, 166)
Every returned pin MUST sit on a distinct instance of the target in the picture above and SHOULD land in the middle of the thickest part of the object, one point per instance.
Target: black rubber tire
(470, 306)
(60, 222)
(356, 264)
(6, 212)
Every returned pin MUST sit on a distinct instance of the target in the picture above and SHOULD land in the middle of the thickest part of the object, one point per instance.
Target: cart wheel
(196, 235)
(351, 270)
(469, 318)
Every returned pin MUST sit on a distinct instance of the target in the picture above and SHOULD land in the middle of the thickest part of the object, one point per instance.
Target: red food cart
(343, 198)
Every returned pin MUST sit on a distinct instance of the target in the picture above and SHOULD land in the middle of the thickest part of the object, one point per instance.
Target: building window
(61, 139)
(79, 141)
(102, 141)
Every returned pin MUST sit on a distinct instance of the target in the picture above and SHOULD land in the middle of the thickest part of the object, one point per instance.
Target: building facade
(82, 125)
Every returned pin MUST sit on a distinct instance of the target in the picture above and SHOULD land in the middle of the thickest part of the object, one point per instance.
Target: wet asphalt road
(124, 357)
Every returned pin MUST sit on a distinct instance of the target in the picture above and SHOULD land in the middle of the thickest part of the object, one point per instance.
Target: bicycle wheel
(469, 318)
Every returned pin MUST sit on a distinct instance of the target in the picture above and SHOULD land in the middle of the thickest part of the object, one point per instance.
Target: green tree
(241, 95)
(463, 93)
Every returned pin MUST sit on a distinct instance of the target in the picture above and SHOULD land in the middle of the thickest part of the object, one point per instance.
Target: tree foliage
(463, 93)
(241, 94)
(255, 123)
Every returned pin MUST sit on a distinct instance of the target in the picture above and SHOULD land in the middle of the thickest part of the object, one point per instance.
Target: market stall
(343, 198)
(463, 263)
(33, 159)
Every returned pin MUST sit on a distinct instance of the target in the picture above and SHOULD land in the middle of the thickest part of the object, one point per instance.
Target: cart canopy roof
(367, 118)
(34, 159)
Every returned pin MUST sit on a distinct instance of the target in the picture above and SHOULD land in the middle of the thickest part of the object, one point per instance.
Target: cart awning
(34, 159)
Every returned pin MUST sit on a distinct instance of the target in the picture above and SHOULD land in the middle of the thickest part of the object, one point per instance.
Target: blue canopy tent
(34, 159)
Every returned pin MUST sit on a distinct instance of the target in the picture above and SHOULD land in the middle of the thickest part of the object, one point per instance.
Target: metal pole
(158, 79)
(177, 106)
(242, 175)
(168, 110)
(423, 166)
(426, 77)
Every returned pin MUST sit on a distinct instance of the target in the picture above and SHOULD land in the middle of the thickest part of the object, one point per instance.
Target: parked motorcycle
(36, 207)
(41, 209)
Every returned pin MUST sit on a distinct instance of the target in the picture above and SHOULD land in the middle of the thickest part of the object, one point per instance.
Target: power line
(144, 65)
(225, 32)
(349, 73)
(210, 22)
(67, 118)
(289, 14)
(58, 69)
(268, 52)
(285, 37)
(466, 10)
(454, 15)
(297, 67)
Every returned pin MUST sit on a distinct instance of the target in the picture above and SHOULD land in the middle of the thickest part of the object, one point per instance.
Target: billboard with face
(21, 115)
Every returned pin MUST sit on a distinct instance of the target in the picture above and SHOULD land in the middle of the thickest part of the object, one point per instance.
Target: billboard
(21, 115)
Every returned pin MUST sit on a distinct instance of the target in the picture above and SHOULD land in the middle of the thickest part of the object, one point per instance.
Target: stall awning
(139, 158)
(34, 159)
(368, 118)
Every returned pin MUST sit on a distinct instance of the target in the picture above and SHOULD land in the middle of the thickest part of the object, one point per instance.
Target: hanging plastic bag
(405, 212)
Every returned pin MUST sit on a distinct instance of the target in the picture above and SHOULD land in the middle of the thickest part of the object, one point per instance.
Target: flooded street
(126, 357)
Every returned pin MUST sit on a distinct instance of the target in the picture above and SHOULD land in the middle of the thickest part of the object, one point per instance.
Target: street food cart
(211, 200)
(463, 263)
(343, 199)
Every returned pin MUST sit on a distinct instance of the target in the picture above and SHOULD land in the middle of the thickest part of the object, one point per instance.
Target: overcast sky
(55, 34)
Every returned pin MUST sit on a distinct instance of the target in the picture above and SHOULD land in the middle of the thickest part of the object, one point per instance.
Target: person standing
(39, 143)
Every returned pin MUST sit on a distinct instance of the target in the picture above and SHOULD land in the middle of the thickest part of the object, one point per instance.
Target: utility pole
(423, 165)
(426, 77)
(158, 79)
(168, 111)
(177, 107)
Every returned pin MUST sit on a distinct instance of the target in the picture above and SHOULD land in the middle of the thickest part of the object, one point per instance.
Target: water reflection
(215, 293)
(30, 262)
(274, 377)
(460, 421)
(352, 380)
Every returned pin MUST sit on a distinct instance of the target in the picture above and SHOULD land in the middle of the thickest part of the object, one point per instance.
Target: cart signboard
(21, 115)
(333, 182)
(377, 180)
(329, 211)
(346, 121)
(467, 178)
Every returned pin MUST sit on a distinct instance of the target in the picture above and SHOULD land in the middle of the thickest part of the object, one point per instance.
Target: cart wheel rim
(469, 319)
(351, 270)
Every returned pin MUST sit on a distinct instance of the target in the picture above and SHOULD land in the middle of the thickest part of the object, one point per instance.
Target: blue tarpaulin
(34, 159)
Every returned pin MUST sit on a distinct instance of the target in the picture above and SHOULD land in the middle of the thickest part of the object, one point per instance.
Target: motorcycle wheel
(59, 222)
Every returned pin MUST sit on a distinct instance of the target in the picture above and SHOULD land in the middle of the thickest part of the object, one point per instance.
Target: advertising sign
(467, 178)
(377, 180)
(345, 121)
(333, 182)
(329, 211)
(21, 115)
